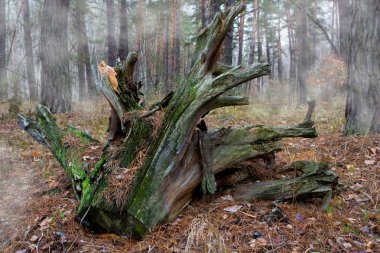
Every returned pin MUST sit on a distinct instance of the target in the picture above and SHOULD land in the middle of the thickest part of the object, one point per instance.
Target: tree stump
(155, 158)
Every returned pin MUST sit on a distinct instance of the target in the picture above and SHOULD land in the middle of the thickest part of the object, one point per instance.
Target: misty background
(273, 25)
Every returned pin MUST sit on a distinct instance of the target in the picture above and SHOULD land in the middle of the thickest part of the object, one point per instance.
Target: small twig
(85, 214)
(149, 113)
(72, 244)
(39, 240)
(275, 249)
(249, 215)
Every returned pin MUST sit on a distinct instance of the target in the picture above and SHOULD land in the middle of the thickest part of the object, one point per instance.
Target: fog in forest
(164, 33)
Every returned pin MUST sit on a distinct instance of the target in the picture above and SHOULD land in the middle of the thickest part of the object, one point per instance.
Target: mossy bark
(316, 180)
(161, 148)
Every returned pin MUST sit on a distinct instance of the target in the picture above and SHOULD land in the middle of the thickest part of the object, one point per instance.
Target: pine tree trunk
(3, 54)
(33, 89)
(177, 44)
(302, 63)
(123, 39)
(159, 51)
(80, 47)
(228, 42)
(161, 155)
(259, 39)
(241, 36)
(172, 56)
(292, 71)
(55, 74)
(268, 45)
(363, 99)
(251, 55)
(279, 48)
(111, 40)
(166, 54)
(313, 54)
(344, 28)
(203, 13)
(91, 88)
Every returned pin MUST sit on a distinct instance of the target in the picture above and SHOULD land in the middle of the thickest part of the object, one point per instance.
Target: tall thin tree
(259, 37)
(33, 89)
(123, 38)
(228, 41)
(55, 74)
(111, 40)
(251, 55)
(279, 45)
(241, 36)
(203, 13)
(3, 53)
(344, 28)
(302, 63)
(81, 67)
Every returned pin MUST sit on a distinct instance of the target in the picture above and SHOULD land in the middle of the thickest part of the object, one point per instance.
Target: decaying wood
(316, 180)
(156, 158)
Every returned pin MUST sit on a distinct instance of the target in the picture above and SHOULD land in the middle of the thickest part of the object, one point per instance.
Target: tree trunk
(279, 48)
(55, 74)
(259, 38)
(251, 56)
(177, 45)
(268, 44)
(123, 39)
(149, 172)
(85, 70)
(33, 89)
(215, 6)
(173, 60)
(139, 34)
(241, 36)
(313, 30)
(303, 53)
(228, 42)
(91, 88)
(111, 40)
(80, 47)
(344, 28)
(159, 51)
(203, 13)
(166, 54)
(363, 99)
(292, 70)
(3, 53)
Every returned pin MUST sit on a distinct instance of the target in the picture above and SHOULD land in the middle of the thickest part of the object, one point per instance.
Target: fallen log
(156, 158)
(316, 181)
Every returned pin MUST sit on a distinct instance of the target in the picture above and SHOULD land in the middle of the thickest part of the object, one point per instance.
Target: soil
(38, 208)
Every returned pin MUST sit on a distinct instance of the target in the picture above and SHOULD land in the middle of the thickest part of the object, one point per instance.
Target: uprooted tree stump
(156, 158)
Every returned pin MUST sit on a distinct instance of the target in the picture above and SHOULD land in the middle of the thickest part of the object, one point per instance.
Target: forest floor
(38, 208)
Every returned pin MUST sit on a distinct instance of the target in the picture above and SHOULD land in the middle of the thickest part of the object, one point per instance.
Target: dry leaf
(227, 197)
(369, 162)
(34, 238)
(232, 209)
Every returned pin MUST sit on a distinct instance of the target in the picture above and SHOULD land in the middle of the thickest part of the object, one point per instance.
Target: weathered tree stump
(156, 158)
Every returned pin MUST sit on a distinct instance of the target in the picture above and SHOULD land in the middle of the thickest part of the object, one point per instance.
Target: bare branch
(323, 29)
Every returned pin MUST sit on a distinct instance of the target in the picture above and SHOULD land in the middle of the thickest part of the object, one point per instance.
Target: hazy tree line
(49, 49)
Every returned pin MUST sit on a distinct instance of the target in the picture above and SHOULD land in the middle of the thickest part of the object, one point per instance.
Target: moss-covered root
(45, 131)
(317, 180)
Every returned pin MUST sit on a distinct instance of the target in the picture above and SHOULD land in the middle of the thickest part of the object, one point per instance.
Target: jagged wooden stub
(156, 158)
